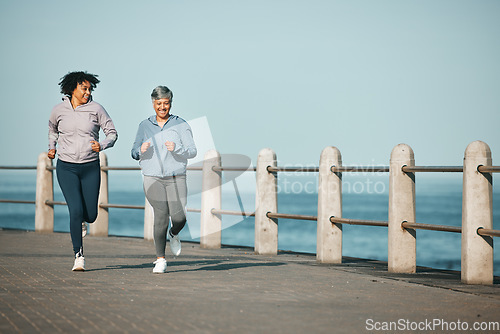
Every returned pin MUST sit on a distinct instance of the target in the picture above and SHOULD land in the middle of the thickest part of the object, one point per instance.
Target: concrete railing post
(101, 225)
(477, 212)
(44, 214)
(266, 200)
(329, 235)
(402, 242)
(148, 220)
(211, 224)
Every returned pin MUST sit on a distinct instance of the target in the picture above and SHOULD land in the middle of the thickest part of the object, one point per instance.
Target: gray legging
(167, 196)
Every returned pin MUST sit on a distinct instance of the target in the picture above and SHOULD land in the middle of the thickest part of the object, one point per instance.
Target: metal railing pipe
(432, 169)
(290, 216)
(430, 227)
(274, 169)
(19, 167)
(232, 213)
(121, 206)
(233, 169)
(52, 203)
(339, 220)
(126, 168)
(359, 169)
(106, 168)
(16, 201)
(488, 232)
(488, 169)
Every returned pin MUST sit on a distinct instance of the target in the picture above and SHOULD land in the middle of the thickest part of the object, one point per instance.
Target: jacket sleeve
(53, 131)
(136, 147)
(109, 130)
(187, 149)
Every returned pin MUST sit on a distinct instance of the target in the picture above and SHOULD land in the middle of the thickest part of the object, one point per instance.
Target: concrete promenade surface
(228, 290)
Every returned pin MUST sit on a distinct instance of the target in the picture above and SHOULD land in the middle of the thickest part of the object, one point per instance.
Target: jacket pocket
(93, 118)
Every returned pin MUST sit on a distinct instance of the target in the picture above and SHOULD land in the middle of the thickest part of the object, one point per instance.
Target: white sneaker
(160, 266)
(175, 244)
(84, 229)
(79, 264)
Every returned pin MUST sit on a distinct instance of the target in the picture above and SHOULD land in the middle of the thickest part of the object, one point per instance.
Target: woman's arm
(109, 130)
(187, 149)
(136, 147)
(53, 136)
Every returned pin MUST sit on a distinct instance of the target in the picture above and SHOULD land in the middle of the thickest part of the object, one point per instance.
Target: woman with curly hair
(74, 128)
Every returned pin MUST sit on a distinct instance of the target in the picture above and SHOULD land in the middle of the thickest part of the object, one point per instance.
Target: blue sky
(295, 76)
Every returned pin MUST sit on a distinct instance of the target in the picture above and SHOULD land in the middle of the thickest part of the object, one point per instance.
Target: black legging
(80, 186)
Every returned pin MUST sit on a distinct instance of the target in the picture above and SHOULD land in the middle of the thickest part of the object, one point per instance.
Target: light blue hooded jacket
(157, 160)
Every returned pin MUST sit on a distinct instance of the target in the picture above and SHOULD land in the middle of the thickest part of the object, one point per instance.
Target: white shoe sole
(79, 264)
(159, 272)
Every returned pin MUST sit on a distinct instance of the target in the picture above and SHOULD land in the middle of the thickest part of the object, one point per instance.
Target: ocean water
(438, 201)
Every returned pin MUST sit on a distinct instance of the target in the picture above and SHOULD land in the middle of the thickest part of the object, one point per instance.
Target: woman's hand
(51, 154)
(170, 145)
(145, 146)
(96, 147)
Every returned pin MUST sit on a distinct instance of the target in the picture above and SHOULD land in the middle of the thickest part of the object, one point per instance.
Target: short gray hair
(162, 92)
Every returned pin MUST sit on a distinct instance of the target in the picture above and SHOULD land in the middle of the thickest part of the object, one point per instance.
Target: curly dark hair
(69, 82)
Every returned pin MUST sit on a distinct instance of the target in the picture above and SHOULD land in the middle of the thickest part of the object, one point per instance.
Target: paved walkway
(228, 290)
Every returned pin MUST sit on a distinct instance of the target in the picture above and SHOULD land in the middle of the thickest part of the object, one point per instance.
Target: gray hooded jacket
(72, 130)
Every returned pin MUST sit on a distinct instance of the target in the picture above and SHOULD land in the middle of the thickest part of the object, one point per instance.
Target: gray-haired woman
(163, 144)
